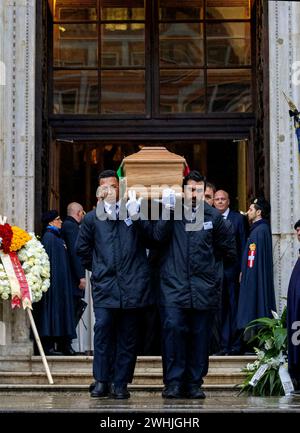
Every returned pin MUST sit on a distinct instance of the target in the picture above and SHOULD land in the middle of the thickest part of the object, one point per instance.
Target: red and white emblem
(251, 255)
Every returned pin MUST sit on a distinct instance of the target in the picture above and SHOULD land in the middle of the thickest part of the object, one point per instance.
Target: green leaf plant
(270, 341)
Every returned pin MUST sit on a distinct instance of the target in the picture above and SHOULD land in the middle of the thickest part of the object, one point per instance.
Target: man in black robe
(54, 313)
(293, 320)
(257, 296)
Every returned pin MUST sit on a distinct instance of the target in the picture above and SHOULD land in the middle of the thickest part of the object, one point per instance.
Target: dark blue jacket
(232, 271)
(238, 222)
(188, 272)
(69, 233)
(115, 252)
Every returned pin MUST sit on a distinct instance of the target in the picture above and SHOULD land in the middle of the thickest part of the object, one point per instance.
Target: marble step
(84, 363)
(77, 371)
(85, 378)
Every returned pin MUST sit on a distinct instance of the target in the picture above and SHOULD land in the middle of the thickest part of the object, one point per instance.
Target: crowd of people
(208, 274)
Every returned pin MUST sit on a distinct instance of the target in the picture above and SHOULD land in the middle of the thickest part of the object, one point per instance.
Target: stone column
(17, 143)
(284, 50)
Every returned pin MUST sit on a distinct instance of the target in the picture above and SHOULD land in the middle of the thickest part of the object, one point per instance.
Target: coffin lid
(155, 154)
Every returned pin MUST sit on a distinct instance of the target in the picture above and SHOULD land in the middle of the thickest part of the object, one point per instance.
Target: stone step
(84, 363)
(85, 378)
(77, 371)
(54, 368)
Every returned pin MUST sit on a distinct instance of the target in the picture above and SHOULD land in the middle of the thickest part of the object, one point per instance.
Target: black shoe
(99, 389)
(69, 351)
(234, 352)
(92, 386)
(119, 391)
(172, 391)
(195, 391)
(222, 352)
(53, 352)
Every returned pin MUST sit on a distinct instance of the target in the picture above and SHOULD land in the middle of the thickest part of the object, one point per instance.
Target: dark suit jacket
(69, 233)
(187, 267)
(115, 252)
(238, 222)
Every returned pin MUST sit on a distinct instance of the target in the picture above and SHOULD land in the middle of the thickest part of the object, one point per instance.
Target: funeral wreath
(24, 266)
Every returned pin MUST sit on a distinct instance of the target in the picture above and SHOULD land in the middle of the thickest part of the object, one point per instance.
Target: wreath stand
(39, 345)
(16, 276)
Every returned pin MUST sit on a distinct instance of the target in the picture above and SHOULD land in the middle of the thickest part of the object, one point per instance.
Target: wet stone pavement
(81, 402)
(143, 412)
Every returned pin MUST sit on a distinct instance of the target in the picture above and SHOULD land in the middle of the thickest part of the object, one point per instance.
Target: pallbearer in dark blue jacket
(69, 232)
(257, 296)
(230, 337)
(115, 251)
(54, 313)
(293, 320)
(188, 288)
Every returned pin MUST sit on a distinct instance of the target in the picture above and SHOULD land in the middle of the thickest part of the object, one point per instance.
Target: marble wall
(284, 52)
(17, 142)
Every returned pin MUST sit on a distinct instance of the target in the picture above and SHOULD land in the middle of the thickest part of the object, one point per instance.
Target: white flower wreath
(36, 266)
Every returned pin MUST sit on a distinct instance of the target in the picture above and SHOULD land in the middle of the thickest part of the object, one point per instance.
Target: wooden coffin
(152, 169)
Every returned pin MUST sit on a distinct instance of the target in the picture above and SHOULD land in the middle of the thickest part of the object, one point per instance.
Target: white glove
(133, 205)
(169, 198)
(102, 192)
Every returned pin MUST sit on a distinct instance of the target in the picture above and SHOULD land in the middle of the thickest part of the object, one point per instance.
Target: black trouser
(149, 336)
(115, 340)
(185, 345)
(231, 338)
